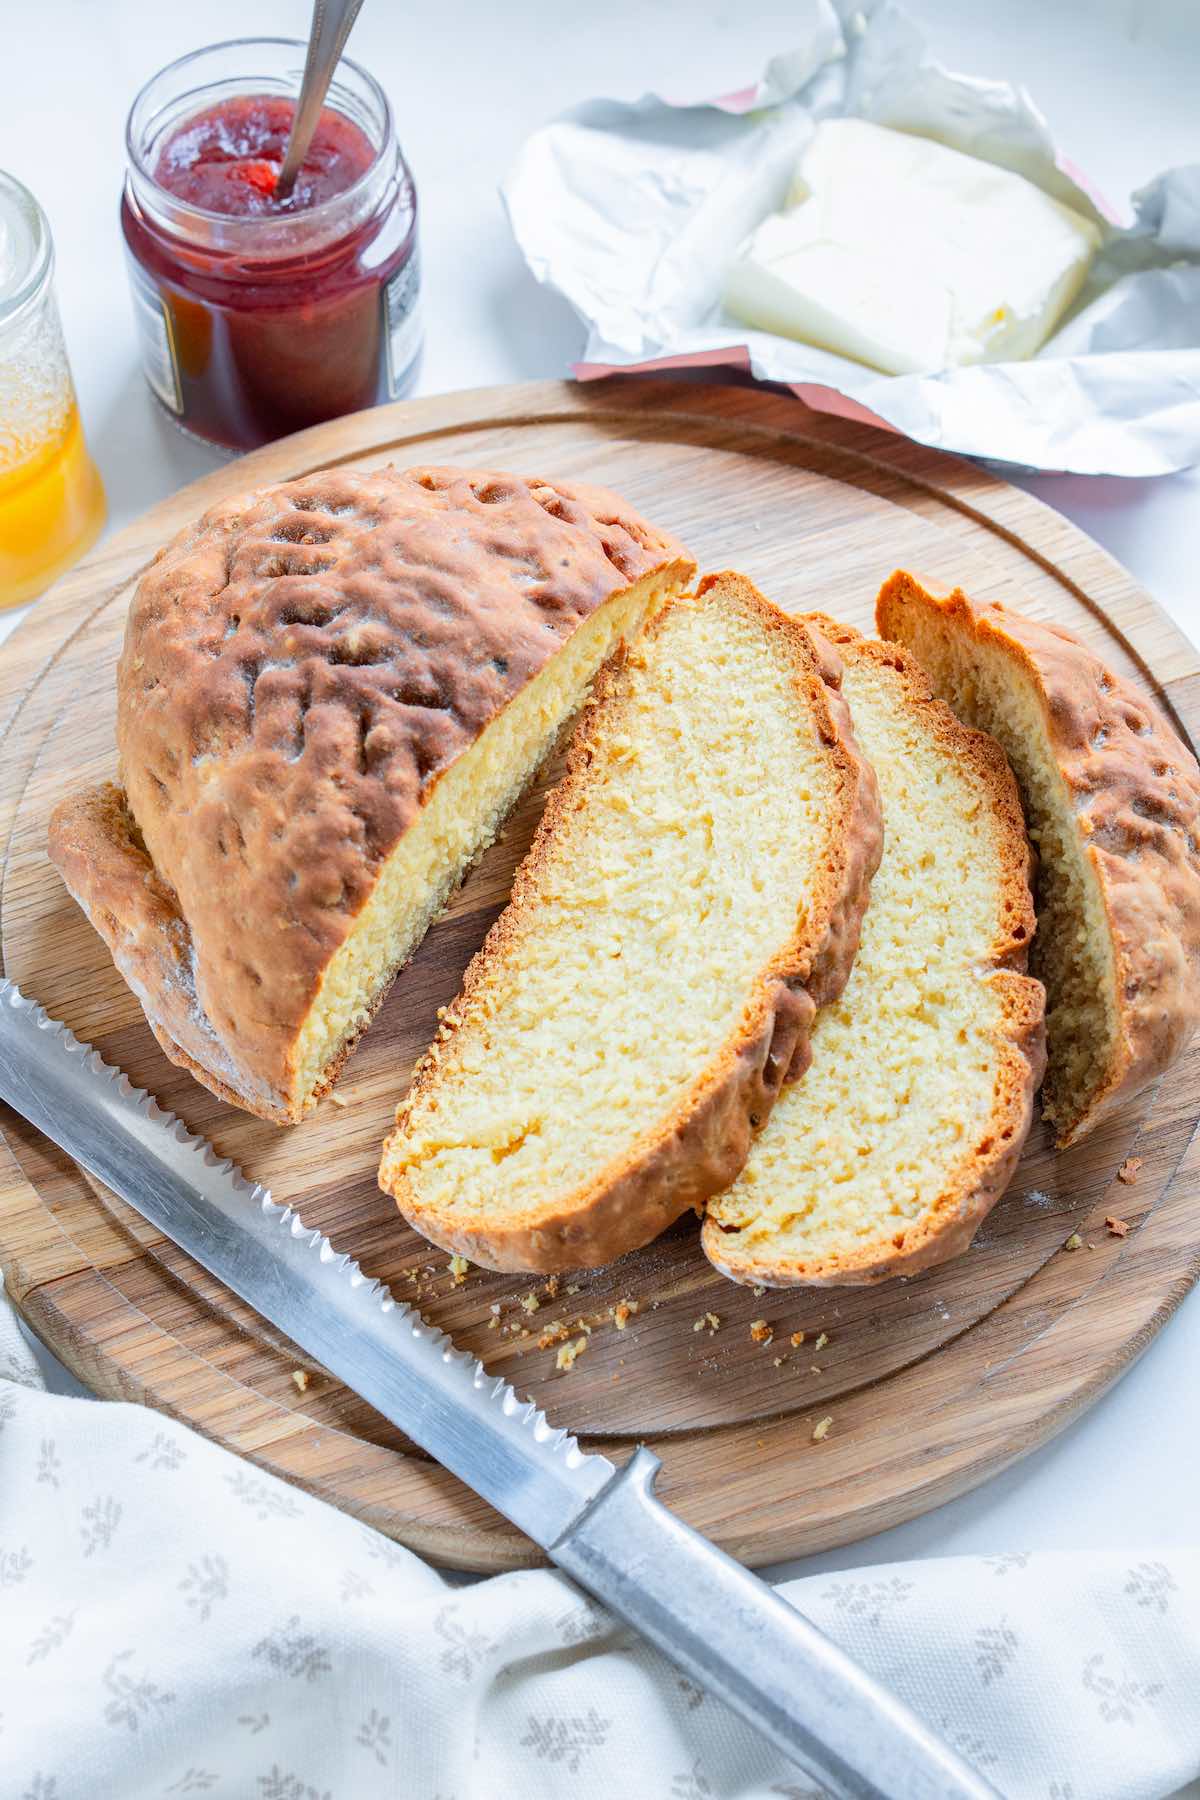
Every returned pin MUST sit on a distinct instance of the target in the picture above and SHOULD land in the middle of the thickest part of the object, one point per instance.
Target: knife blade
(602, 1525)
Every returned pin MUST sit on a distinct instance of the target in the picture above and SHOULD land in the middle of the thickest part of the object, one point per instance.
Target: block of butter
(909, 256)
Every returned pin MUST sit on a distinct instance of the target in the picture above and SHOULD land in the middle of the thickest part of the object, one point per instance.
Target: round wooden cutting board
(931, 1383)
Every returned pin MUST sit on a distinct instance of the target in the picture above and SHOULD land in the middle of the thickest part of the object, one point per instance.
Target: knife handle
(743, 1643)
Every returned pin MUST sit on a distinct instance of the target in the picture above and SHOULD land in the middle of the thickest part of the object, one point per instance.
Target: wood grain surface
(932, 1383)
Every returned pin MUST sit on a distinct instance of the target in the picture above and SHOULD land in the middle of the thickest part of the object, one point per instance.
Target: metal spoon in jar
(332, 21)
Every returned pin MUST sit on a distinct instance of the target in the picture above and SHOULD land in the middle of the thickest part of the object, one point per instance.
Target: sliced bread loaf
(693, 894)
(331, 694)
(910, 1120)
(1112, 798)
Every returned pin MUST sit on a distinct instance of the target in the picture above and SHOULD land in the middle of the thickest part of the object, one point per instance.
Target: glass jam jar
(51, 500)
(258, 316)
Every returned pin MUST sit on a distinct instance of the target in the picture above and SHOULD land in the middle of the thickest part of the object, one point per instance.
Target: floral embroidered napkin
(174, 1622)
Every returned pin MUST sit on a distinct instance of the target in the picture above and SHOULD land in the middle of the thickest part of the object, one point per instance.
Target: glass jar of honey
(258, 316)
(51, 500)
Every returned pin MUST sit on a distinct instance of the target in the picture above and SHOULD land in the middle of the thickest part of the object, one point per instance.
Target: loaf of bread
(1112, 799)
(910, 1120)
(693, 895)
(331, 694)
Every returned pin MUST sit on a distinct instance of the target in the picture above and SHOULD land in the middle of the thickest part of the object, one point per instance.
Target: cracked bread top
(300, 666)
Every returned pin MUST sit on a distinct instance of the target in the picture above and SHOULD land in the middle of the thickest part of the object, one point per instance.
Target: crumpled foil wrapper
(634, 213)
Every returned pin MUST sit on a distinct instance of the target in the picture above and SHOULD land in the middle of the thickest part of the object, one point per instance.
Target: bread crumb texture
(568, 1354)
(1112, 798)
(633, 1012)
(910, 1119)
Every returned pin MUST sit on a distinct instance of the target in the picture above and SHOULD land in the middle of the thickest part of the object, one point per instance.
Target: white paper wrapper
(634, 213)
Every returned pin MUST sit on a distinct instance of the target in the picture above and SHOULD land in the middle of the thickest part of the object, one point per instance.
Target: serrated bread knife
(723, 1626)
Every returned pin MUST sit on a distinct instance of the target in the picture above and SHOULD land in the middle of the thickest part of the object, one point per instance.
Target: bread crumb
(821, 1342)
(336, 1099)
(1117, 1227)
(1074, 1242)
(1128, 1171)
(566, 1356)
(550, 1291)
(821, 1429)
(493, 1323)
(797, 1339)
(815, 1369)
(758, 1292)
(761, 1332)
(708, 1321)
(779, 1361)
(530, 1302)
(574, 1288)
(558, 1333)
(622, 1312)
(458, 1267)
(300, 1377)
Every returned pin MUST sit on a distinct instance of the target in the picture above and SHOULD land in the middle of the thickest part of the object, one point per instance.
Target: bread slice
(331, 694)
(1112, 798)
(692, 896)
(910, 1120)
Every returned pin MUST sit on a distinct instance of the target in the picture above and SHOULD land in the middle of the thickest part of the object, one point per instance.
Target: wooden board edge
(254, 1430)
(50, 1315)
(971, 487)
(554, 399)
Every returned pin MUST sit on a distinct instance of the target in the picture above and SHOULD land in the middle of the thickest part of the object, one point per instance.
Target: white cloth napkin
(174, 1622)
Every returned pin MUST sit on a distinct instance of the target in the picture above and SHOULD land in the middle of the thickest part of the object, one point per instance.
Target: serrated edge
(557, 1439)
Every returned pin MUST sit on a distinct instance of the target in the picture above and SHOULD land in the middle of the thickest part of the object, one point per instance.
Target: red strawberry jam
(227, 158)
(258, 315)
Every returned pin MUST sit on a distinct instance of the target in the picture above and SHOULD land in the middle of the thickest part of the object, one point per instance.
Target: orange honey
(51, 510)
(51, 500)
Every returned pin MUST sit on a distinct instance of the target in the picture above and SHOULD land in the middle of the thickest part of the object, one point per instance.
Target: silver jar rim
(187, 85)
(26, 250)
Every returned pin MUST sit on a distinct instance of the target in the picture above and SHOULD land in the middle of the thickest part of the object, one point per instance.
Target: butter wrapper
(634, 212)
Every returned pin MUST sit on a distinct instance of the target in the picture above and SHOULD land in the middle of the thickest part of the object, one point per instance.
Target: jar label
(402, 321)
(160, 363)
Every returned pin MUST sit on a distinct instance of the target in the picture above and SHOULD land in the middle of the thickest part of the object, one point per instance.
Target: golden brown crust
(1136, 792)
(300, 667)
(952, 1217)
(96, 846)
(700, 1147)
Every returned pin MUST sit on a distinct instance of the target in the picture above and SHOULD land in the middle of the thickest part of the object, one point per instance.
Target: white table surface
(1118, 80)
